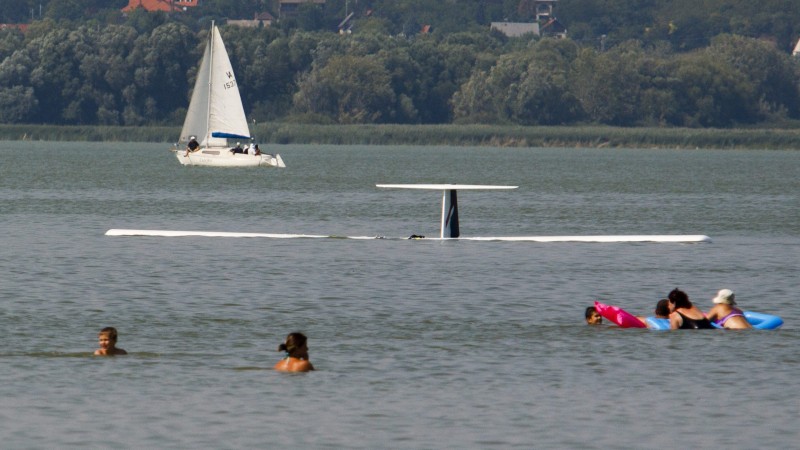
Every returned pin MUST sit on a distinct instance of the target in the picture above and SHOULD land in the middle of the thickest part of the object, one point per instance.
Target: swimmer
(296, 360)
(725, 314)
(107, 337)
(592, 316)
(684, 315)
(661, 311)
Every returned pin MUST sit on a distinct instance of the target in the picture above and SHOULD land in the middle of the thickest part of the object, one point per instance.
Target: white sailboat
(216, 117)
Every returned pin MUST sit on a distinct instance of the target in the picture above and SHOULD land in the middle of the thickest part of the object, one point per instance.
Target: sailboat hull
(212, 157)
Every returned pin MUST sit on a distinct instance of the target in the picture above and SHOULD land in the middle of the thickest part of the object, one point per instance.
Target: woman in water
(725, 314)
(296, 359)
(684, 315)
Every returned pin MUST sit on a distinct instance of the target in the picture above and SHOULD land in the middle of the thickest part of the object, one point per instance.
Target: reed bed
(453, 135)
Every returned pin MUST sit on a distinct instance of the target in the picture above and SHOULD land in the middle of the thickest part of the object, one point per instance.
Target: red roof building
(20, 26)
(160, 5)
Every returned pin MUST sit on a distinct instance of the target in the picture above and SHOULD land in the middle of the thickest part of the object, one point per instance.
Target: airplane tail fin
(450, 214)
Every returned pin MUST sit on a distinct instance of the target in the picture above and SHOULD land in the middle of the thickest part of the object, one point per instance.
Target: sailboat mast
(210, 80)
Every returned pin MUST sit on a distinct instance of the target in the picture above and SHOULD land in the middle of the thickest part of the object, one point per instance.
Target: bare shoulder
(713, 312)
(282, 365)
(675, 320)
(300, 365)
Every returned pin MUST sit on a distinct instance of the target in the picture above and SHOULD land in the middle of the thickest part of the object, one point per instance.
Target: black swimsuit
(695, 324)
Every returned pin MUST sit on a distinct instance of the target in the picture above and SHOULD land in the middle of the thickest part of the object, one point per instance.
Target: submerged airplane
(449, 229)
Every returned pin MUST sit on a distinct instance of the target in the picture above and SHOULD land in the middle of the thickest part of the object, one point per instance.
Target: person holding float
(721, 317)
(661, 315)
(725, 314)
(684, 315)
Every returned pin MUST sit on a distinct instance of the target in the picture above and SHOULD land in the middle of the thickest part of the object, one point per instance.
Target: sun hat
(725, 296)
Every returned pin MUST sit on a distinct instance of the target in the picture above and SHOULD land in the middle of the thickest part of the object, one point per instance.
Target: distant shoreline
(588, 136)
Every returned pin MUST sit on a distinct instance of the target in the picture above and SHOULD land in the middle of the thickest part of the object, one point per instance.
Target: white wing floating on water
(449, 225)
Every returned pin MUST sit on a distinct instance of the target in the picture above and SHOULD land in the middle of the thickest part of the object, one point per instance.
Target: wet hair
(662, 307)
(589, 311)
(679, 298)
(110, 331)
(293, 341)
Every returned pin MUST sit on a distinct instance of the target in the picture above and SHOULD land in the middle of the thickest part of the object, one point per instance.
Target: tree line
(141, 72)
(683, 24)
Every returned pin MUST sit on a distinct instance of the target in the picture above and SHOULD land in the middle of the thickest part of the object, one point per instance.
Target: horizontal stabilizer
(446, 187)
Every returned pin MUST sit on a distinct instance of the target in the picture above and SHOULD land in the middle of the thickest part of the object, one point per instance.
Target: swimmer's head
(295, 345)
(592, 316)
(679, 299)
(662, 308)
(109, 332)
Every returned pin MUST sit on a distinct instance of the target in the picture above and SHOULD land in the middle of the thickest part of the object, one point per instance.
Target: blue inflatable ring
(759, 321)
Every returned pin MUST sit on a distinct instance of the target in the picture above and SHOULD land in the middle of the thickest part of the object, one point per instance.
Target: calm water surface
(418, 344)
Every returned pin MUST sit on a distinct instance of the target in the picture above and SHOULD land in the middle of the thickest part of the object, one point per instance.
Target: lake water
(418, 344)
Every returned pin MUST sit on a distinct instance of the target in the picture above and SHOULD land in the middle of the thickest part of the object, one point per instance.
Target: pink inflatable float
(618, 316)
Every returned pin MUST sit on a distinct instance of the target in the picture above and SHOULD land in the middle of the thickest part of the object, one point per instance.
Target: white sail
(196, 122)
(215, 112)
(216, 115)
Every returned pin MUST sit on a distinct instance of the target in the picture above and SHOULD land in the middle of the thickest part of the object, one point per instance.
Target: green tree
(349, 89)
(18, 104)
(475, 102)
(772, 73)
(528, 87)
(714, 94)
(609, 85)
(162, 61)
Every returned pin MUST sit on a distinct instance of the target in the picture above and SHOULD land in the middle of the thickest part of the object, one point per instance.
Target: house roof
(516, 29)
(20, 26)
(264, 16)
(554, 26)
(160, 5)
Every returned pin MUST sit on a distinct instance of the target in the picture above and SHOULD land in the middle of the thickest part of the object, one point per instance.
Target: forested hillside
(625, 62)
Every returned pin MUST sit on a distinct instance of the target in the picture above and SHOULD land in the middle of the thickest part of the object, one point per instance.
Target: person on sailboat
(192, 146)
(238, 148)
(256, 150)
